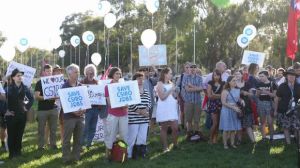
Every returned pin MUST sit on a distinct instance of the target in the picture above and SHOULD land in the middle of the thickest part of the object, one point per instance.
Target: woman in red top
(117, 119)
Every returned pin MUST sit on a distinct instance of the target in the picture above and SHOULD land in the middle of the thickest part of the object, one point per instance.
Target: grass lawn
(190, 155)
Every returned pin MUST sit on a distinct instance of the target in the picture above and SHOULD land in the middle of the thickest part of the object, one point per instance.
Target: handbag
(240, 106)
(119, 151)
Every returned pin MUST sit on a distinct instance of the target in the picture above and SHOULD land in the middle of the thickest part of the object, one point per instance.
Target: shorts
(264, 108)
(192, 112)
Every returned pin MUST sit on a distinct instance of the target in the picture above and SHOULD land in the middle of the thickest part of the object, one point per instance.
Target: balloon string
(79, 55)
(75, 54)
(70, 54)
(152, 21)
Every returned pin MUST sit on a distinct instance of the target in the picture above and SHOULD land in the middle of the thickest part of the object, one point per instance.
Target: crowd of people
(232, 101)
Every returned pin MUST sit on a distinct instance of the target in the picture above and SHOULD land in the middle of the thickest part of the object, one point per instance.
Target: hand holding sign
(124, 94)
(74, 99)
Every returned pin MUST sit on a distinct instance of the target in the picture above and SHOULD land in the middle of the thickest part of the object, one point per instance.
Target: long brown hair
(227, 85)
(218, 73)
(163, 73)
(252, 68)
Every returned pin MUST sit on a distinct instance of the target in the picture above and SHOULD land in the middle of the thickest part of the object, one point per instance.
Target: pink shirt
(119, 112)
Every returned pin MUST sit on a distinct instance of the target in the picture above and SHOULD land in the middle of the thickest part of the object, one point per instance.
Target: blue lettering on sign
(124, 94)
(253, 58)
(75, 99)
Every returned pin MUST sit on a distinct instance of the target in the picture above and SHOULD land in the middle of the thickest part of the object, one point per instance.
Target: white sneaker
(195, 138)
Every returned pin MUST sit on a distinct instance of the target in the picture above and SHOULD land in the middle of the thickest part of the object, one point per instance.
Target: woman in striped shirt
(138, 120)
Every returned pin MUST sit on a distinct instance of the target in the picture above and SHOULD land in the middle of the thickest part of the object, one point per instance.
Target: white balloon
(55, 42)
(88, 37)
(148, 38)
(110, 20)
(7, 52)
(243, 40)
(23, 44)
(152, 5)
(75, 41)
(250, 31)
(61, 53)
(104, 8)
(96, 59)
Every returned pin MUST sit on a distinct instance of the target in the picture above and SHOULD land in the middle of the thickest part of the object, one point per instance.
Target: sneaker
(195, 137)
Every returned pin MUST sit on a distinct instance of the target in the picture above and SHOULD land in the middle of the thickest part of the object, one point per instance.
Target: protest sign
(99, 134)
(156, 55)
(28, 72)
(51, 85)
(74, 99)
(96, 94)
(253, 57)
(124, 93)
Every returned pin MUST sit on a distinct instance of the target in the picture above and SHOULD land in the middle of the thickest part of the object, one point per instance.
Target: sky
(38, 20)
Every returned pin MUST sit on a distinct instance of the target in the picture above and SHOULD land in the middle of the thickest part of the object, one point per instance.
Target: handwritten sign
(99, 134)
(28, 72)
(156, 55)
(253, 57)
(74, 99)
(96, 94)
(51, 85)
(122, 94)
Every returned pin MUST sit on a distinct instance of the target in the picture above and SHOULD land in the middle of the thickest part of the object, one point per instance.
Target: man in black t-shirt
(266, 91)
(47, 113)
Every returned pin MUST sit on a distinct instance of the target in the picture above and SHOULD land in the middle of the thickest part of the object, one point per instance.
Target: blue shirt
(191, 97)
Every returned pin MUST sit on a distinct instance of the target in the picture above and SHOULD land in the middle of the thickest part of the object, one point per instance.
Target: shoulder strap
(232, 97)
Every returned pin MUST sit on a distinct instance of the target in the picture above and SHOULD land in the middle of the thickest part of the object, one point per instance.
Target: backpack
(119, 151)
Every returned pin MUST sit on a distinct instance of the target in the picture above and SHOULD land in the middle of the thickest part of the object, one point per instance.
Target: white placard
(99, 134)
(28, 72)
(74, 99)
(96, 94)
(122, 94)
(253, 57)
(51, 85)
(156, 55)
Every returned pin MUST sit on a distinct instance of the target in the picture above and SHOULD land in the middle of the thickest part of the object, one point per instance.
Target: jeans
(91, 118)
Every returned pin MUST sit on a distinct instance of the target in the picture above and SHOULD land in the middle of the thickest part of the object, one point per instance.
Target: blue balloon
(90, 37)
(23, 41)
(244, 40)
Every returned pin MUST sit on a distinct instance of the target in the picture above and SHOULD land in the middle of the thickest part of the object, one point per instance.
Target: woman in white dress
(166, 113)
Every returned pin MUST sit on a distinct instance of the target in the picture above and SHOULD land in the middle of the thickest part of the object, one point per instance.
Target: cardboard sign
(51, 85)
(99, 134)
(28, 72)
(96, 94)
(156, 55)
(124, 93)
(253, 57)
(74, 99)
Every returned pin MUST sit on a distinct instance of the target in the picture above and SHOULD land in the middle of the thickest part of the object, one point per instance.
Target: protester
(251, 84)
(117, 119)
(91, 115)
(179, 84)
(57, 70)
(297, 70)
(138, 119)
(47, 113)
(221, 66)
(167, 110)
(192, 86)
(214, 90)
(247, 120)
(280, 78)
(73, 122)
(2, 118)
(266, 91)
(19, 102)
(229, 122)
(286, 99)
